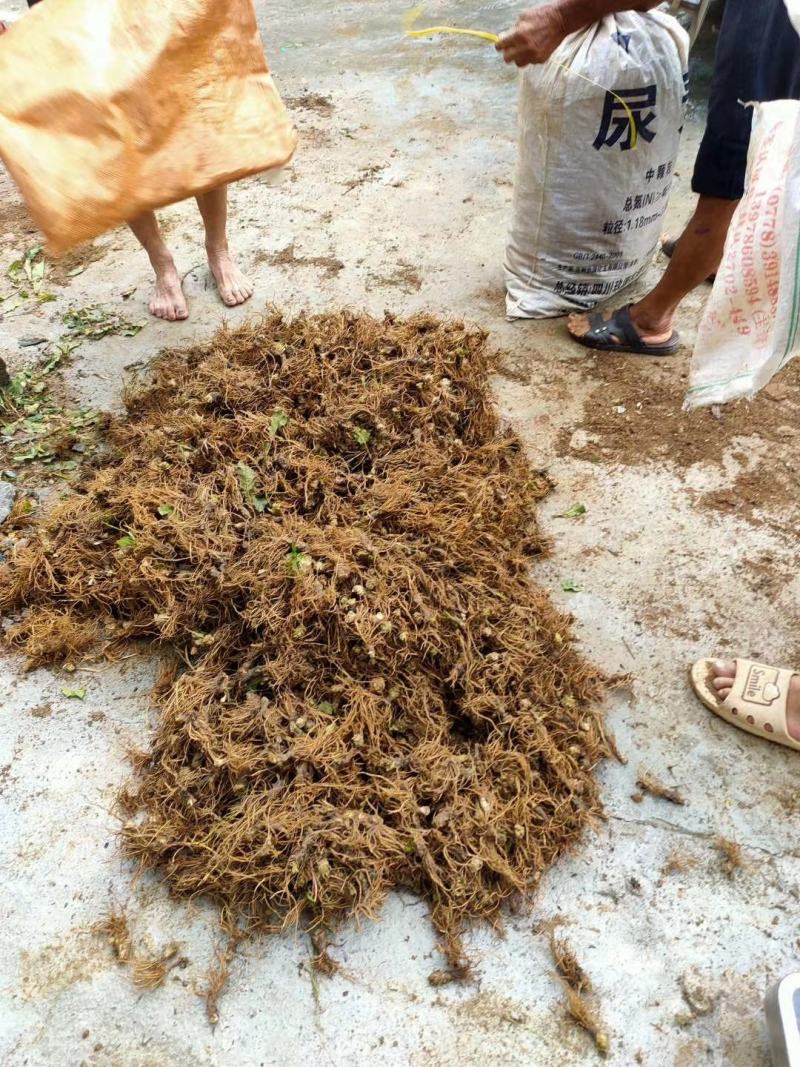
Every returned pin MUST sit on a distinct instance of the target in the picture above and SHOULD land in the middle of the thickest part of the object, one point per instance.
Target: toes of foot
(578, 325)
(235, 295)
(724, 670)
(169, 312)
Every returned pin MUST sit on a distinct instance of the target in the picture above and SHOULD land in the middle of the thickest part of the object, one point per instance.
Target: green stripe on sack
(720, 381)
(790, 342)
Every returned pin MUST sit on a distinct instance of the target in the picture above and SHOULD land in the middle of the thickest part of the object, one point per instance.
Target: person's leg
(718, 179)
(724, 674)
(234, 287)
(168, 300)
(697, 254)
(757, 58)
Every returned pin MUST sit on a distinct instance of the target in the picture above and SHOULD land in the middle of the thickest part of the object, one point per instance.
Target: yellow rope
(628, 112)
(454, 29)
(413, 15)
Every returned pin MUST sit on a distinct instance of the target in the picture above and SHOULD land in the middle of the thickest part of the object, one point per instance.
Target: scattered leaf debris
(35, 430)
(96, 321)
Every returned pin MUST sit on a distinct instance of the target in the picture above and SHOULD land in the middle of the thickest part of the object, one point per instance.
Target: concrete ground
(398, 199)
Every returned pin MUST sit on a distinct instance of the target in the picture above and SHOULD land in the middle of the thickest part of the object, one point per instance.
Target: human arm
(541, 30)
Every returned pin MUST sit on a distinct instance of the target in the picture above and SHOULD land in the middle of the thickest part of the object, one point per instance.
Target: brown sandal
(757, 700)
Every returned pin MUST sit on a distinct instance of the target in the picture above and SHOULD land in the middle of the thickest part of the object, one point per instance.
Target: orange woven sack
(109, 108)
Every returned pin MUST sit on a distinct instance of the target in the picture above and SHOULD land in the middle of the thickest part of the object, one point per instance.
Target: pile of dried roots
(323, 522)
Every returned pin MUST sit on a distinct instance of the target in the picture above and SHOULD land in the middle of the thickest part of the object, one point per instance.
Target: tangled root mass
(324, 525)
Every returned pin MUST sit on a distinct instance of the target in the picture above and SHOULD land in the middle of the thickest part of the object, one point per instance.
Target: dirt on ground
(288, 257)
(16, 223)
(632, 416)
(61, 271)
(316, 102)
(15, 220)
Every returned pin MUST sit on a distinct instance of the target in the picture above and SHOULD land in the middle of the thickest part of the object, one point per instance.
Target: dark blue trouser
(758, 59)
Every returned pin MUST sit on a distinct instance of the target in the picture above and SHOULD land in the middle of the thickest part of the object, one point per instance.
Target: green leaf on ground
(575, 512)
(74, 694)
(260, 502)
(299, 562)
(96, 321)
(569, 586)
(28, 270)
(278, 421)
(247, 478)
(165, 510)
(127, 542)
(362, 436)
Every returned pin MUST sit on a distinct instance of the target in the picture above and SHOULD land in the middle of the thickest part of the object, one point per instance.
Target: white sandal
(757, 700)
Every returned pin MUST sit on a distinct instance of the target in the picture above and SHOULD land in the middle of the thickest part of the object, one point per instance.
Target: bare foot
(168, 300)
(724, 673)
(652, 333)
(234, 287)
